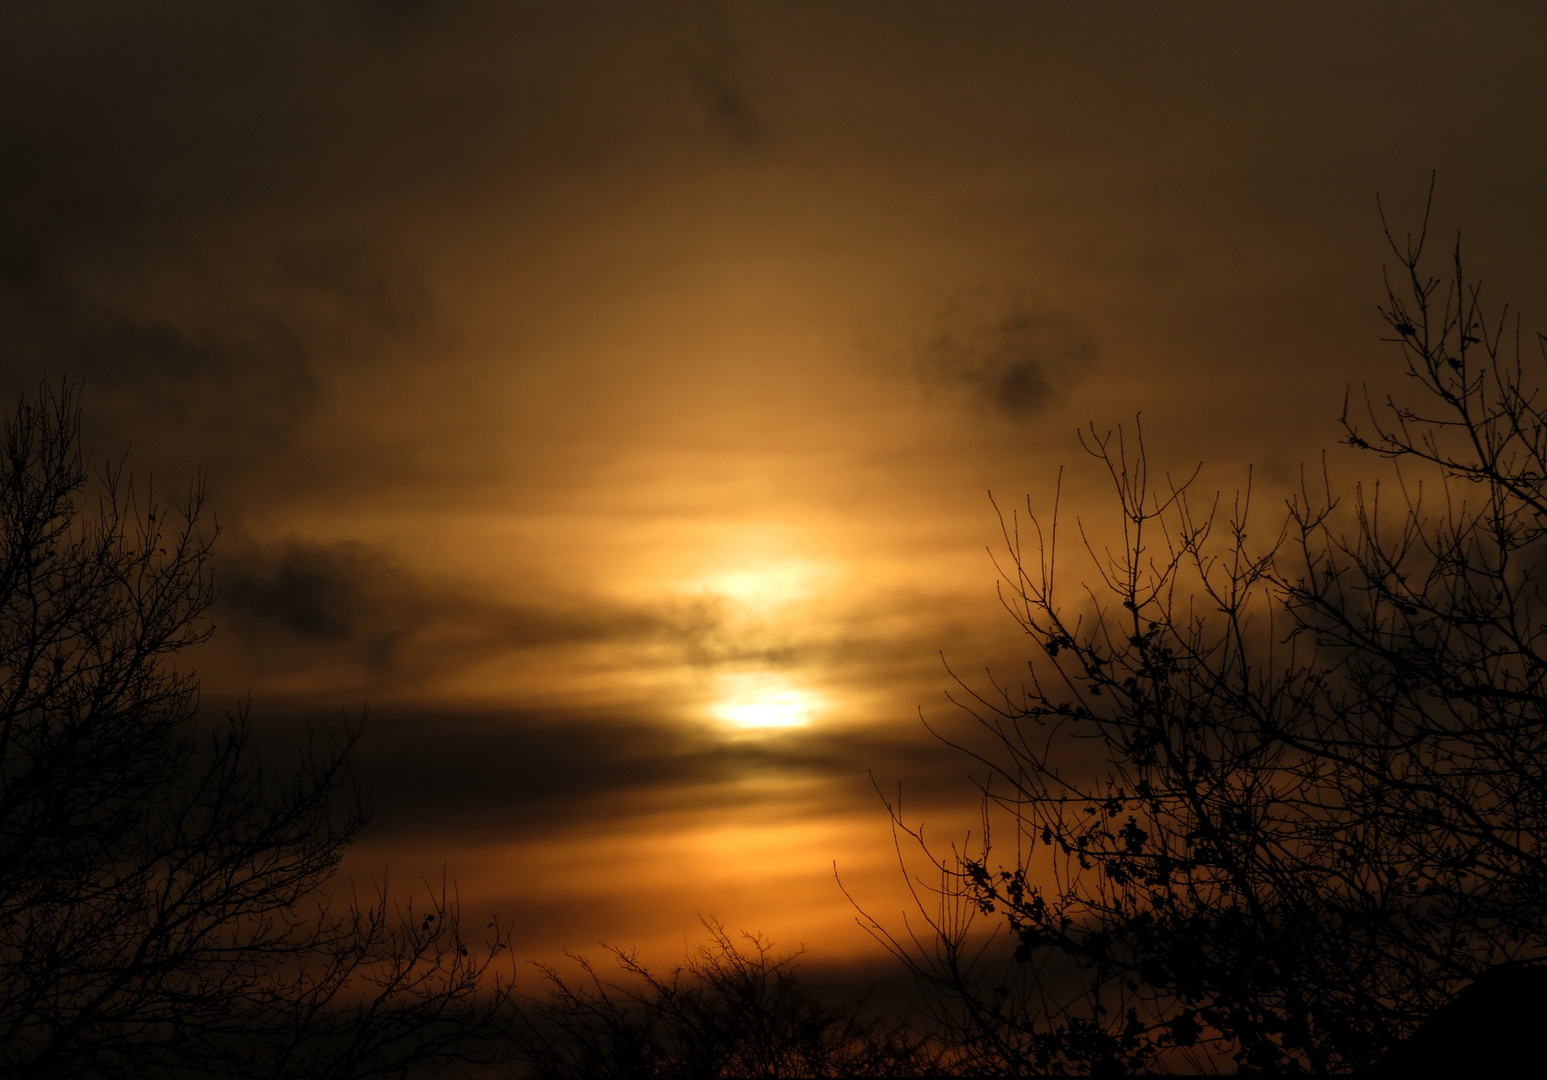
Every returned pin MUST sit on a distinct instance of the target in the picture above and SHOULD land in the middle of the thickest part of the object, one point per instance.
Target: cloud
(1003, 354)
(714, 59)
(248, 379)
(349, 615)
(525, 773)
(439, 767)
(303, 603)
(724, 101)
(348, 286)
(198, 352)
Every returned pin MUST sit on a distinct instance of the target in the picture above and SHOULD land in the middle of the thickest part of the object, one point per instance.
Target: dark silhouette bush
(732, 1010)
(1491, 1028)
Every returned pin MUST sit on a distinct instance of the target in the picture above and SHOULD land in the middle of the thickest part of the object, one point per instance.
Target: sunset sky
(607, 397)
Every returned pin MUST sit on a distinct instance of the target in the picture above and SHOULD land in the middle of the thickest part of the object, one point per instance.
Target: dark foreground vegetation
(1272, 791)
(733, 1009)
(163, 903)
(1274, 787)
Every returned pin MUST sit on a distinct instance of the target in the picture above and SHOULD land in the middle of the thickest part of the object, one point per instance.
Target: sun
(778, 710)
(753, 702)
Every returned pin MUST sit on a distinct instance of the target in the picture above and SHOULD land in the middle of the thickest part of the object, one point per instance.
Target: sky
(604, 400)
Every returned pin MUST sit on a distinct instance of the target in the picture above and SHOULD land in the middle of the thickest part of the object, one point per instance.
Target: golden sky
(608, 395)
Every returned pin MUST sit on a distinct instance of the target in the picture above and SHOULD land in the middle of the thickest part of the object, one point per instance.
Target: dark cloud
(352, 616)
(300, 594)
(352, 289)
(220, 353)
(724, 100)
(248, 378)
(1003, 354)
(348, 604)
(54, 194)
(719, 75)
(519, 774)
(200, 210)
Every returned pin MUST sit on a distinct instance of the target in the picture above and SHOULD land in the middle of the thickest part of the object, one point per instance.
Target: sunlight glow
(783, 710)
(762, 702)
(766, 585)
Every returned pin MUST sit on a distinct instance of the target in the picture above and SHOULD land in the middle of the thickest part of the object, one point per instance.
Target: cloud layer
(562, 373)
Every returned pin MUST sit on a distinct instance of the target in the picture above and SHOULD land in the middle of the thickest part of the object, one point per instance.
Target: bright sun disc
(770, 710)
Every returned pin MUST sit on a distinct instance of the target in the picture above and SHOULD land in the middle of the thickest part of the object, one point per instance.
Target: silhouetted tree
(730, 1011)
(1272, 797)
(161, 896)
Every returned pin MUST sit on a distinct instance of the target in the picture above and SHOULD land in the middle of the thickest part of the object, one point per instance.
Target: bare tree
(1271, 796)
(731, 1011)
(162, 904)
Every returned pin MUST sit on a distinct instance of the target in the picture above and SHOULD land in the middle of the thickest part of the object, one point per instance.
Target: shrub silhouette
(1490, 1028)
(1273, 792)
(160, 894)
(732, 1010)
